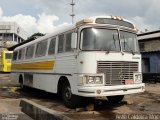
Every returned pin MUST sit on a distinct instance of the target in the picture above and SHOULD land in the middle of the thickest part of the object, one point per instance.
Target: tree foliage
(35, 36)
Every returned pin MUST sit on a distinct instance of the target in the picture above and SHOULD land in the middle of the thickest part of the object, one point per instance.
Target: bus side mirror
(74, 41)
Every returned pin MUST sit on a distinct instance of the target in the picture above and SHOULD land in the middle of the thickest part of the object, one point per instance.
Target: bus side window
(41, 48)
(15, 53)
(21, 54)
(60, 43)
(68, 42)
(29, 51)
(51, 50)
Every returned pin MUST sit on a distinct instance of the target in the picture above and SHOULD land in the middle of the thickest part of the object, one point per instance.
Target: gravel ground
(143, 105)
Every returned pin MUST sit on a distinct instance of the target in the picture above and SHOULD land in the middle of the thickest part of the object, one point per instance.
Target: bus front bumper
(100, 91)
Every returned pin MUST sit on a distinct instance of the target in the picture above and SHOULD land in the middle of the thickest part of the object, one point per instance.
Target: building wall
(150, 45)
(154, 61)
(12, 27)
(10, 34)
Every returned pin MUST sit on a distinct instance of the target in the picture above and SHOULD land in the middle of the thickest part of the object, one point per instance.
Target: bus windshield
(101, 39)
(8, 55)
(129, 42)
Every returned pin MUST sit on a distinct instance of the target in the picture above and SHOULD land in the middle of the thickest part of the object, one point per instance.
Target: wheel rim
(68, 93)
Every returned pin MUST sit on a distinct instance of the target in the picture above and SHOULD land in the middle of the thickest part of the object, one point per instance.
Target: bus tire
(21, 82)
(115, 99)
(69, 100)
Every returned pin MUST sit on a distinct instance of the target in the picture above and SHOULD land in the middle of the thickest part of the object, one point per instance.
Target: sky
(46, 15)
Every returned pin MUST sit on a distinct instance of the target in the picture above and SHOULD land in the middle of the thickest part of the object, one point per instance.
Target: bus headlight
(98, 80)
(137, 77)
(90, 80)
(93, 79)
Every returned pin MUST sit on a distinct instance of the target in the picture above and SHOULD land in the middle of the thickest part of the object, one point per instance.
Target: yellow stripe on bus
(45, 65)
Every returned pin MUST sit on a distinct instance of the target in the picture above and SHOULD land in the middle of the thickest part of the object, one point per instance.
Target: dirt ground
(136, 106)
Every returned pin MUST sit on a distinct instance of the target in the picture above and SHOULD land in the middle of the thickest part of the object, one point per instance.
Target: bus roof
(57, 31)
(6, 51)
(110, 20)
(105, 20)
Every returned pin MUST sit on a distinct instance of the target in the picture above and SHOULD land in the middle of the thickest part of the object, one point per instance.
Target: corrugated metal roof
(150, 36)
(150, 51)
(150, 32)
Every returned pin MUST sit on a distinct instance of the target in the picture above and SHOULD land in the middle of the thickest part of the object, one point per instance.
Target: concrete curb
(39, 112)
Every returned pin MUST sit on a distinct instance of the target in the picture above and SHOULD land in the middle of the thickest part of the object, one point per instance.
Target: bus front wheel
(115, 99)
(70, 100)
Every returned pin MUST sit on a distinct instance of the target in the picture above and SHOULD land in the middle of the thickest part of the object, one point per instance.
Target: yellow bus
(6, 58)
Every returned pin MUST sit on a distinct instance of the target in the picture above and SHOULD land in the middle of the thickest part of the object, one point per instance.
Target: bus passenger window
(60, 43)
(68, 42)
(21, 54)
(15, 53)
(41, 48)
(29, 51)
(51, 50)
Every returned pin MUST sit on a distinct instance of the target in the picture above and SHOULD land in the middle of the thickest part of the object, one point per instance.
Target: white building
(10, 34)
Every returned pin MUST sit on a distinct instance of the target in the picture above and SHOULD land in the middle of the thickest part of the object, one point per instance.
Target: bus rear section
(6, 60)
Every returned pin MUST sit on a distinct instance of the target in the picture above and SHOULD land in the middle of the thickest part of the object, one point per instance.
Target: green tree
(35, 36)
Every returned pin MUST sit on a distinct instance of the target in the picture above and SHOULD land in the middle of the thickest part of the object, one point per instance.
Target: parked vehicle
(6, 59)
(95, 57)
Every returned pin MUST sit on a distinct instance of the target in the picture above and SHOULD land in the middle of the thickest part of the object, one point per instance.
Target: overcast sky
(46, 15)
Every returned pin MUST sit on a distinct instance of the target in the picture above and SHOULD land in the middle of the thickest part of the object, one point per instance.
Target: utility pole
(72, 14)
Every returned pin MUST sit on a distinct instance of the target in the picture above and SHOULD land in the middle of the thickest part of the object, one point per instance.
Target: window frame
(38, 43)
(142, 46)
(33, 45)
(16, 55)
(63, 50)
(65, 44)
(23, 54)
(52, 39)
(81, 40)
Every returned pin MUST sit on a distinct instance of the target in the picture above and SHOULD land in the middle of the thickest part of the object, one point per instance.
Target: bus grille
(116, 72)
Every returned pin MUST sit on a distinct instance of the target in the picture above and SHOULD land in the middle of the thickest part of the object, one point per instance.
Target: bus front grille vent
(116, 72)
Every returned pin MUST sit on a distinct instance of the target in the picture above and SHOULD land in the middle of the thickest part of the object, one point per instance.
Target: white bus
(96, 57)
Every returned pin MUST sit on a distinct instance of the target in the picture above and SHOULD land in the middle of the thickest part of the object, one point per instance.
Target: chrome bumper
(100, 91)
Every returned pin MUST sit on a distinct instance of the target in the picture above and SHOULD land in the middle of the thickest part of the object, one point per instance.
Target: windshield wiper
(126, 44)
(109, 48)
(106, 49)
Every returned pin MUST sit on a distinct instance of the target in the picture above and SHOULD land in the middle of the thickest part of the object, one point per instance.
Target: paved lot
(9, 106)
(146, 105)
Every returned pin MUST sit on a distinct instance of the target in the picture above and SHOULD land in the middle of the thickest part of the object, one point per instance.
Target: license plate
(129, 82)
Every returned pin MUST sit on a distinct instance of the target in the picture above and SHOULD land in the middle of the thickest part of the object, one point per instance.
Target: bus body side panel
(47, 82)
(66, 65)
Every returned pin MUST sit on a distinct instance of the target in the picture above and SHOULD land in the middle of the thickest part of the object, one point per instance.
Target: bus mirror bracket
(74, 41)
